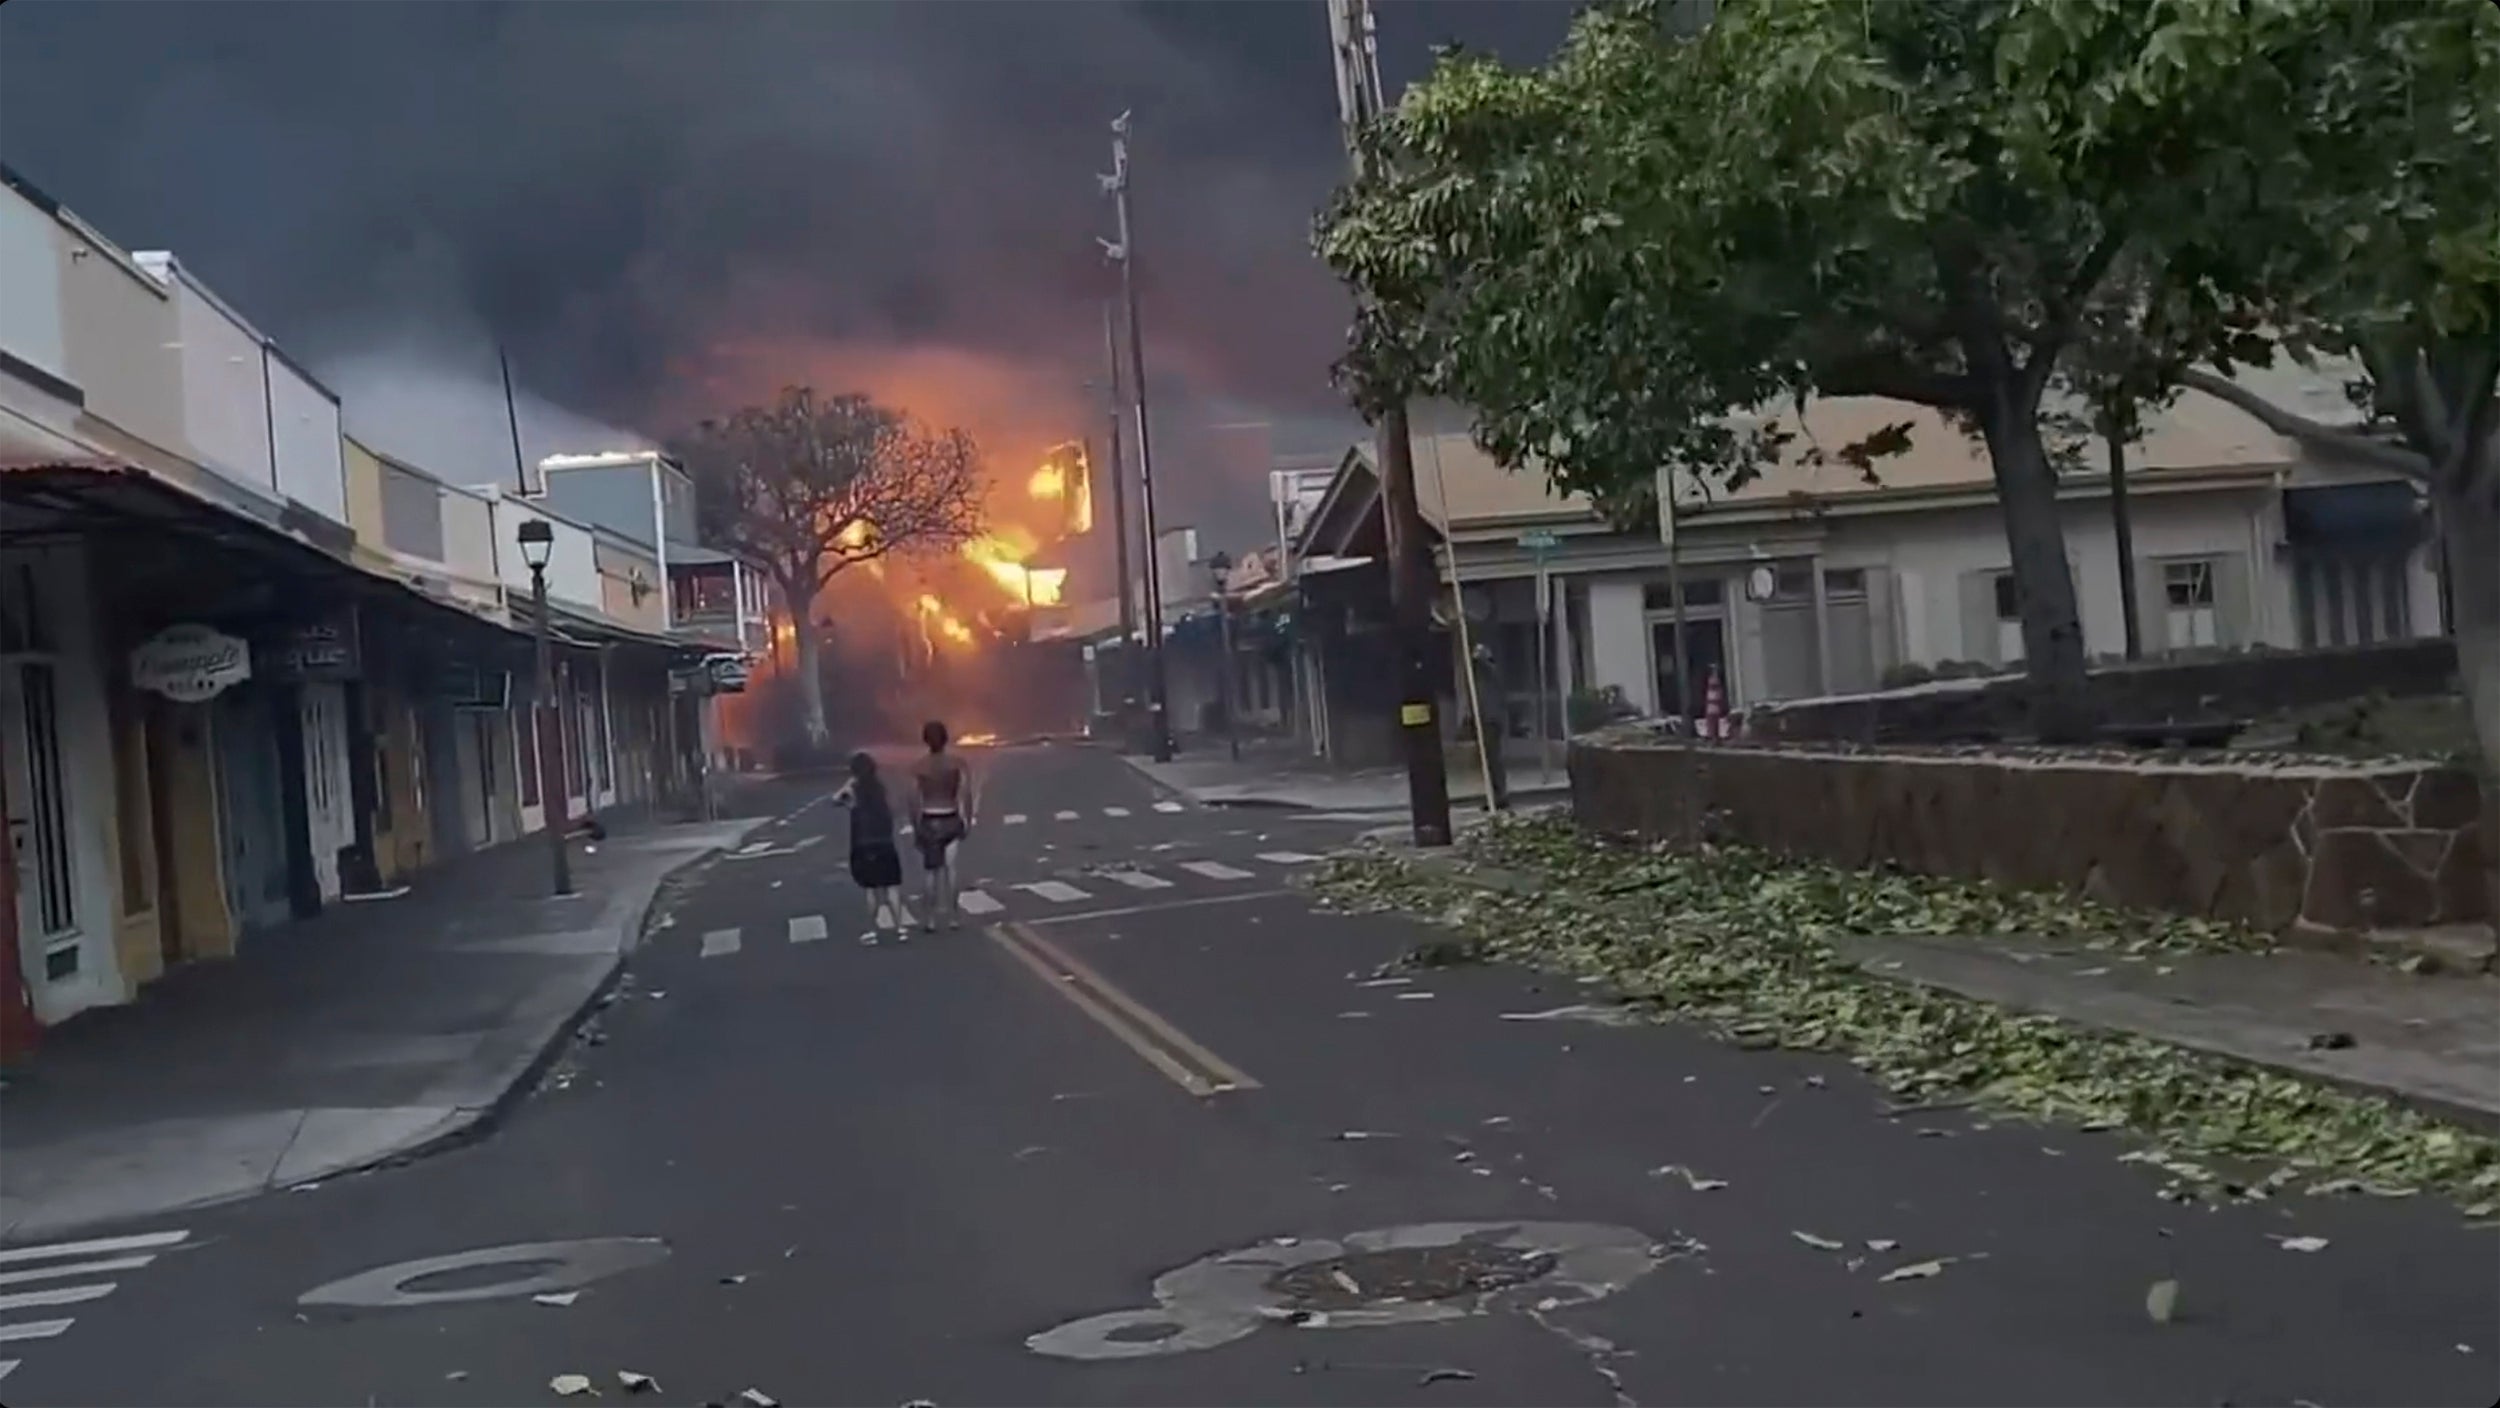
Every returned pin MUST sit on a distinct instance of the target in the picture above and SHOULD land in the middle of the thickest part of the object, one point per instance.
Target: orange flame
(1002, 555)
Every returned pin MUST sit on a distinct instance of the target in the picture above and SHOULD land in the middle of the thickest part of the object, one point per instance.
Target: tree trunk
(2470, 531)
(2044, 590)
(2122, 530)
(811, 684)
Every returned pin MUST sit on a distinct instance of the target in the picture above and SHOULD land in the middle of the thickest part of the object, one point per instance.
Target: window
(525, 734)
(1698, 591)
(2009, 613)
(1790, 585)
(2188, 600)
(1844, 582)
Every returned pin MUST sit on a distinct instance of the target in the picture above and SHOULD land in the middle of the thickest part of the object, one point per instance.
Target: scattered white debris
(570, 1385)
(637, 1383)
(1916, 1271)
(1351, 1136)
(738, 1280)
(1880, 1244)
(1352, 1013)
(2161, 1301)
(1497, 1119)
(758, 1398)
(1385, 983)
(1694, 1181)
(1351, 1286)
(2302, 1244)
(1818, 1243)
(1414, 997)
(456, 1375)
(557, 1297)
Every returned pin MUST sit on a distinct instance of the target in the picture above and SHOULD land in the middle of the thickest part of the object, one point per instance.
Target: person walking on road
(875, 863)
(941, 818)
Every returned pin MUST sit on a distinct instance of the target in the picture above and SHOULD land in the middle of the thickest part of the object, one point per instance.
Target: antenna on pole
(512, 419)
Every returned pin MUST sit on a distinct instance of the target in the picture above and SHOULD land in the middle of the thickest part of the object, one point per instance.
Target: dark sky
(661, 208)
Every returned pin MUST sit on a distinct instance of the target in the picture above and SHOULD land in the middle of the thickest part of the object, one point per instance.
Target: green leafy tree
(2382, 246)
(1616, 258)
(810, 486)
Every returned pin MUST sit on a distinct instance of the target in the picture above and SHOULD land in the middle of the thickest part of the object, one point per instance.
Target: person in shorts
(875, 863)
(942, 800)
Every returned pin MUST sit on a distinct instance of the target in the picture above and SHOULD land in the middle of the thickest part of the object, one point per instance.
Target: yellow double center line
(1188, 1065)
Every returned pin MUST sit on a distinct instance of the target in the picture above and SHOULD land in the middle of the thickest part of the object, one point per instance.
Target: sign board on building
(1539, 541)
(190, 663)
(327, 649)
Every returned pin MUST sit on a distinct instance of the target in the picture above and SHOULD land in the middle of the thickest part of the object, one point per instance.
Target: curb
(475, 1122)
(1453, 869)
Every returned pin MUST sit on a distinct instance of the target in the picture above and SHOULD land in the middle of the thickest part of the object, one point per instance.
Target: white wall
(121, 328)
(225, 387)
(469, 546)
(572, 561)
(30, 286)
(312, 464)
(1619, 640)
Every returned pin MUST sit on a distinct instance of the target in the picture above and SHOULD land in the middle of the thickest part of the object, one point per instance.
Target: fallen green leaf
(1747, 944)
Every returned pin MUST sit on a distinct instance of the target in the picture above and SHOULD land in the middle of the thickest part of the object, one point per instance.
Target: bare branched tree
(812, 485)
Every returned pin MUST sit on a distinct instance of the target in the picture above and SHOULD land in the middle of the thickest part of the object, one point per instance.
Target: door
(328, 790)
(51, 917)
(251, 810)
(62, 918)
(1705, 648)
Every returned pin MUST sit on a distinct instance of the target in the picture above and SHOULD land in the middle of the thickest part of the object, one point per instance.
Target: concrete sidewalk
(2433, 1042)
(375, 1030)
(1278, 773)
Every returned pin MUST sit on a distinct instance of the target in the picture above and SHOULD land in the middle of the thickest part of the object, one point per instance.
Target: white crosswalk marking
(1215, 870)
(57, 1295)
(1288, 858)
(1055, 891)
(807, 928)
(5, 1366)
(1115, 811)
(1013, 818)
(1063, 816)
(720, 941)
(134, 1242)
(1168, 806)
(33, 1329)
(1138, 879)
(75, 1268)
(977, 902)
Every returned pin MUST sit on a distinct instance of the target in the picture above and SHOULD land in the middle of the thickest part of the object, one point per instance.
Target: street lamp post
(1221, 565)
(538, 540)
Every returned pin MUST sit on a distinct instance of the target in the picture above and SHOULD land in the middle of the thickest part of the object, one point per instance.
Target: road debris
(757, 1398)
(739, 1279)
(1692, 1180)
(2161, 1301)
(2302, 1244)
(1917, 1270)
(1434, 1376)
(558, 1298)
(1825, 1244)
(1880, 1244)
(572, 1385)
(632, 1382)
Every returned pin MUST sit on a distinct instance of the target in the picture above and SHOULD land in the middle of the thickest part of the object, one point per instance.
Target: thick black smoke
(649, 204)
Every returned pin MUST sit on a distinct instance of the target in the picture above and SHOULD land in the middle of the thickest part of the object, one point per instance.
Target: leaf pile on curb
(1745, 942)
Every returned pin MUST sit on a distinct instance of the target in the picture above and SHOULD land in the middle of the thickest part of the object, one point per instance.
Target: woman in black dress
(875, 863)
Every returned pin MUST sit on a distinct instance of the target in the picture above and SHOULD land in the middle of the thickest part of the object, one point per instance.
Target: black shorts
(933, 833)
(876, 866)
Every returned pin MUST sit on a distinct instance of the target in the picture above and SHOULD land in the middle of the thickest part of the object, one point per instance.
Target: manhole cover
(1357, 1279)
(1413, 1274)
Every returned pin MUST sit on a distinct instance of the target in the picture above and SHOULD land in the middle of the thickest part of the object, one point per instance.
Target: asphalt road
(872, 1173)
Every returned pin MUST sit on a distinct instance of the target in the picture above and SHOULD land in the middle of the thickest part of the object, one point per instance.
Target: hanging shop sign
(190, 663)
(327, 649)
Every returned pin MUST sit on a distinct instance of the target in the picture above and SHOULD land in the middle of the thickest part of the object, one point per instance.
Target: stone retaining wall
(2304, 847)
(2239, 686)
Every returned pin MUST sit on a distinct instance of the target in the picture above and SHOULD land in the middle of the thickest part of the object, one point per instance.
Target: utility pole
(1124, 252)
(1410, 556)
(1126, 684)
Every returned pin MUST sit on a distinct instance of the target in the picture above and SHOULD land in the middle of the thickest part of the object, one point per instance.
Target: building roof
(1461, 489)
